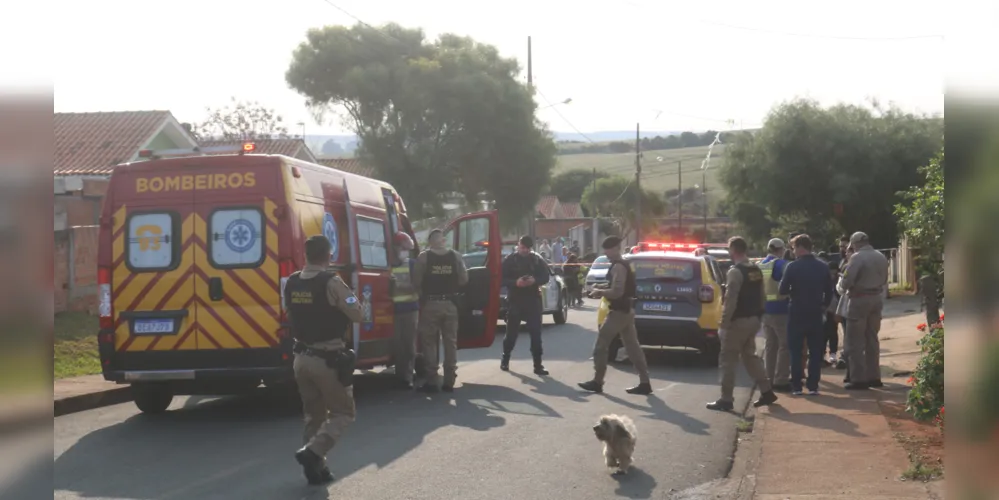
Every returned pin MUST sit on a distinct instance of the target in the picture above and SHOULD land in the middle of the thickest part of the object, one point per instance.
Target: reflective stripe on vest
(770, 286)
(404, 290)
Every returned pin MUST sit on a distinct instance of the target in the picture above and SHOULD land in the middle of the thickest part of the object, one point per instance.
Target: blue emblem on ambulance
(331, 233)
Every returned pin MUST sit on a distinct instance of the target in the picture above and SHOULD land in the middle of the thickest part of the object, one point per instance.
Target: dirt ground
(923, 441)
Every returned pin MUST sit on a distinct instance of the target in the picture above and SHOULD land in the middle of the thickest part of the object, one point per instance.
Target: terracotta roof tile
(548, 206)
(351, 165)
(571, 209)
(286, 147)
(93, 143)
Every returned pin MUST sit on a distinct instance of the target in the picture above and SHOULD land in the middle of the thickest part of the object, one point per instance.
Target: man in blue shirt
(776, 357)
(807, 282)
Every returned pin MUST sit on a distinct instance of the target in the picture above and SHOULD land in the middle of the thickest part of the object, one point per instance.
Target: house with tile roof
(89, 145)
(290, 147)
(350, 165)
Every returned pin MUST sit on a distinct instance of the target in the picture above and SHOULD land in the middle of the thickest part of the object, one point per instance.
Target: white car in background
(597, 274)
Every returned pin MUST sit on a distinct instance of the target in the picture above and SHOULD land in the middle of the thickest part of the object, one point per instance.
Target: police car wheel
(152, 398)
(562, 313)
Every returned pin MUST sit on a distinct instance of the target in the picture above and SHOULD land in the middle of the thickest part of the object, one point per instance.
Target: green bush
(926, 398)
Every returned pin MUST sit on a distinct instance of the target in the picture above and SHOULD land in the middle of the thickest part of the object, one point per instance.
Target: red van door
(368, 229)
(477, 238)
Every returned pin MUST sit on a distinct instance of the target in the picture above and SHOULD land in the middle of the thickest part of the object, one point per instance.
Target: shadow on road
(212, 448)
(551, 387)
(635, 484)
(658, 410)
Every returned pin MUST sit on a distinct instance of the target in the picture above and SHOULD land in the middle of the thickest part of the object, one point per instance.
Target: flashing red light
(249, 147)
(146, 153)
(649, 246)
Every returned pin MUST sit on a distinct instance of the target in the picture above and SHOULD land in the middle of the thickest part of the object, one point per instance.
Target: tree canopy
(921, 216)
(827, 170)
(241, 120)
(569, 185)
(433, 116)
(617, 196)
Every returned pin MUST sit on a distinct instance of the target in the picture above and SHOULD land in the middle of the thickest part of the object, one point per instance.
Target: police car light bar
(646, 246)
(150, 154)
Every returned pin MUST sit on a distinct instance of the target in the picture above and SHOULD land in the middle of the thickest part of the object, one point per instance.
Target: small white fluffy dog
(619, 435)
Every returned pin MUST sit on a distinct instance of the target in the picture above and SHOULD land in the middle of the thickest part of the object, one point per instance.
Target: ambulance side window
(371, 240)
(236, 238)
(152, 242)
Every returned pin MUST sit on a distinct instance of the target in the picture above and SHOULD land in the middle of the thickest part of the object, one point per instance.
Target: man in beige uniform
(438, 275)
(620, 321)
(321, 309)
(864, 281)
(742, 316)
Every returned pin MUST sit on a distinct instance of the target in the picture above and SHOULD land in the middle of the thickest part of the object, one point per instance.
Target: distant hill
(348, 142)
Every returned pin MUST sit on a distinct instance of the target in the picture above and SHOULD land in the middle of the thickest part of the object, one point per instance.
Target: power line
(359, 20)
(559, 113)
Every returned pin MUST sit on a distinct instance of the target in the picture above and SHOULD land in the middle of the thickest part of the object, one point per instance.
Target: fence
(75, 269)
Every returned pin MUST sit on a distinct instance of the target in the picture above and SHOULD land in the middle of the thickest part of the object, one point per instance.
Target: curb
(90, 401)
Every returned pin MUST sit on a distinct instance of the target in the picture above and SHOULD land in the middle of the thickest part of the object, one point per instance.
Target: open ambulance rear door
(473, 234)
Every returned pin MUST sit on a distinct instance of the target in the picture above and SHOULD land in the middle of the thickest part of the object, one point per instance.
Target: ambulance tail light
(706, 294)
(286, 268)
(105, 310)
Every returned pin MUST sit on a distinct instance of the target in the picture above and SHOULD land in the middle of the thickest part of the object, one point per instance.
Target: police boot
(312, 465)
(539, 369)
(505, 362)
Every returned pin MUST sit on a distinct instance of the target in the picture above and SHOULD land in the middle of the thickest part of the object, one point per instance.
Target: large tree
(617, 197)
(433, 116)
(569, 185)
(826, 170)
(240, 120)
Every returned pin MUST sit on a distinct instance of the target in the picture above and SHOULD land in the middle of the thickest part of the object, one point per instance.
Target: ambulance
(196, 246)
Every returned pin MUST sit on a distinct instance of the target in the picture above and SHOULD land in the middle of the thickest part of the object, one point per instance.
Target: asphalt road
(498, 436)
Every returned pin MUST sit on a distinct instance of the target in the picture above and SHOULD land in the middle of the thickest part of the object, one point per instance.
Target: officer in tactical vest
(742, 315)
(407, 309)
(777, 356)
(438, 275)
(620, 321)
(321, 309)
(524, 272)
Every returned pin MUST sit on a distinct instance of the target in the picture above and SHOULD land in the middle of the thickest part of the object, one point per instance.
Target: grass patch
(744, 425)
(75, 350)
(918, 471)
(657, 175)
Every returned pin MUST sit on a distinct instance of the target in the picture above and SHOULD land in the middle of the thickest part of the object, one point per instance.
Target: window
(152, 244)
(601, 262)
(473, 236)
(236, 238)
(371, 239)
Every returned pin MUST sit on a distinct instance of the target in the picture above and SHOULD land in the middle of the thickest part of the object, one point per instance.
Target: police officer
(808, 284)
(407, 309)
(742, 315)
(438, 275)
(524, 272)
(620, 321)
(864, 281)
(777, 356)
(321, 309)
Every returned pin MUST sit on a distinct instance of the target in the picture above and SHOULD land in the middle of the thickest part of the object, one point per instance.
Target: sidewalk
(71, 395)
(839, 445)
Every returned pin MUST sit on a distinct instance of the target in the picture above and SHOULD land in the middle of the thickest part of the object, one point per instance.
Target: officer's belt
(300, 348)
(442, 298)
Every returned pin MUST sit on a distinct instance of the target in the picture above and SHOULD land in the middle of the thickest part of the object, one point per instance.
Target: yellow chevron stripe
(269, 207)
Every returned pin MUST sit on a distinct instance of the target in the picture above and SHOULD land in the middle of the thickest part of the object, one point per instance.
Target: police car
(678, 299)
(554, 295)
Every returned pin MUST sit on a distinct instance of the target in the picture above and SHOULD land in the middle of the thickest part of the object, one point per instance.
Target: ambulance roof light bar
(149, 154)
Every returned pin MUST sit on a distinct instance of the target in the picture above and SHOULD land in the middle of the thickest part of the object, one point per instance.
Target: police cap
(611, 242)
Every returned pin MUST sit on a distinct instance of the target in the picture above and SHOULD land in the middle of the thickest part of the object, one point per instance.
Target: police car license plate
(657, 306)
(152, 326)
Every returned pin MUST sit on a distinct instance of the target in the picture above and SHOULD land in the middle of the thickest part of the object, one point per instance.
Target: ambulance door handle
(215, 289)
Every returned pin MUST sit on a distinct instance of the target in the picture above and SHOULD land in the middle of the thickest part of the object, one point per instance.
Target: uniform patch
(351, 300)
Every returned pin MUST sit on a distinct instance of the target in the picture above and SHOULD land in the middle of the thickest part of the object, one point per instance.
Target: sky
(663, 65)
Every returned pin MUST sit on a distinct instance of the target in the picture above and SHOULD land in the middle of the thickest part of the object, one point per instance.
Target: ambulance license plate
(657, 306)
(153, 326)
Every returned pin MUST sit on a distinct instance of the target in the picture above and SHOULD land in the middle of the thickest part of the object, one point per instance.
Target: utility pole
(679, 201)
(530, 85)
(638, 183)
